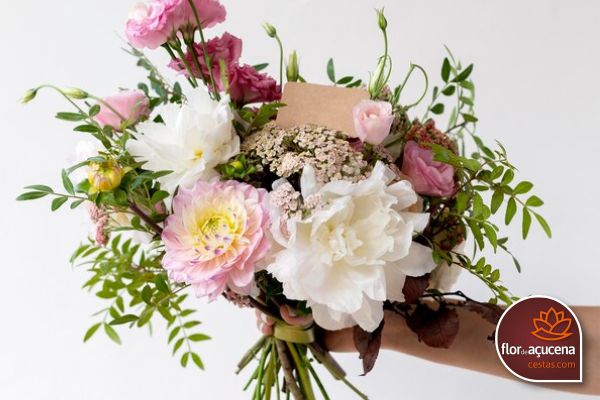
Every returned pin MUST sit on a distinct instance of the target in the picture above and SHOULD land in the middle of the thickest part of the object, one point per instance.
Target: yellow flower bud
(104, 176)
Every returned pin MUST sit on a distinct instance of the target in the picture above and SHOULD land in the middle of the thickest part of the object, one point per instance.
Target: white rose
(194, 138)
(354, 252)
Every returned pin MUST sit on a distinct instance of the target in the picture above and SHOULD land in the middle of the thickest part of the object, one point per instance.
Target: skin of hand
(474, 351)
(265, 324)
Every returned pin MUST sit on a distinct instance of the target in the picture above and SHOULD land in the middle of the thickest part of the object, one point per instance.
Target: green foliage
(138, 292)
(347, 81)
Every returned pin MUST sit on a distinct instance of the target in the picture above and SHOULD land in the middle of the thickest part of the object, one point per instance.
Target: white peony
(194, 138)
(353, 252)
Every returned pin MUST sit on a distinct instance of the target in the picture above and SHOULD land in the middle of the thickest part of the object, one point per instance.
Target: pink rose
(227, 48)
(429, 177)
(373, 120)
(152, 25)
(247, 85)
(210, 12)
(132, 105)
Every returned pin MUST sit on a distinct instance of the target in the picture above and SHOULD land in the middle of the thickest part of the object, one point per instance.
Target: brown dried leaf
(437, 328)
(368, 345)
(414, 287)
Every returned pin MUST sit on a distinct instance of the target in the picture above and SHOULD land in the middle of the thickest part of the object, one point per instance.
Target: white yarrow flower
(194, 138)
(354, 252)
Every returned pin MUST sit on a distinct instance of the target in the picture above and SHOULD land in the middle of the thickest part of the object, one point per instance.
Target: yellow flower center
(218, 229)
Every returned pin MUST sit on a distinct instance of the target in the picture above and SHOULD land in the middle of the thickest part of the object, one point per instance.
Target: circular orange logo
(538, 339)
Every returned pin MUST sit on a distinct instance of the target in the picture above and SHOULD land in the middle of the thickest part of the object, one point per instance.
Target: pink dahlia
(215, 236)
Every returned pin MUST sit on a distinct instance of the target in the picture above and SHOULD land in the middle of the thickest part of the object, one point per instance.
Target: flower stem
(134, 207)
(207, 61)
(280, 59)
(169, 47)
(302, 372)
(288, 373)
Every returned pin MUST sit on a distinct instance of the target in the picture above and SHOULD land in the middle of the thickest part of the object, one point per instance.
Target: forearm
(472, 349)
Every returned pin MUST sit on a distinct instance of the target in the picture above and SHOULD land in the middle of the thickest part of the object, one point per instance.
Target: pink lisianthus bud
(132, 105)
(227, 48)
(429, 177)
(373, 120)
(247, 85)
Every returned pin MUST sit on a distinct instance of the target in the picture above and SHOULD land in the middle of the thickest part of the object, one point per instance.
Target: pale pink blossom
(130, 105)
(429, 177)
(215, 236)
(151, 25)
(372, 121)
(210, 12)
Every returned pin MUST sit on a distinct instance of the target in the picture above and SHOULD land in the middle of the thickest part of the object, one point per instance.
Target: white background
(538, 78)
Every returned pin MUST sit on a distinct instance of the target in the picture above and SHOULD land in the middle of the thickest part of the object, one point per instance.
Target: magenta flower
(131, 105)
(247, 85)
(227, 48)
(216, 235)
(429, 177)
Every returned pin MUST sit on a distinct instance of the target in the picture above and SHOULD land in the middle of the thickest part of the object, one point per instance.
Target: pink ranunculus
(132, 105)
(227, 48)
(210, 12)
(152, 25)
(247, 85)
(372, 120)
(429, 177)
(215, 236)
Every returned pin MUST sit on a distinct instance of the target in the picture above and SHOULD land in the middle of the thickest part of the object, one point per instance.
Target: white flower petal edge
(354, 252)
(194, 138)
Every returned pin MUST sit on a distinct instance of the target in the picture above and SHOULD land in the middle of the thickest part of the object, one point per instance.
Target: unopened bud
(270, 29)
(28, 96)
(381, 20)
(378, 80)
(104, 176)
(75, 93)
(292, 69)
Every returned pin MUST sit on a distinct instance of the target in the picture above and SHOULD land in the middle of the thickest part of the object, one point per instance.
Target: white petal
(418, 261)
(370, 314)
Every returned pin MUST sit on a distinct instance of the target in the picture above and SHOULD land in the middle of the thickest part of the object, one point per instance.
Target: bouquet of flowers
(319, 206)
